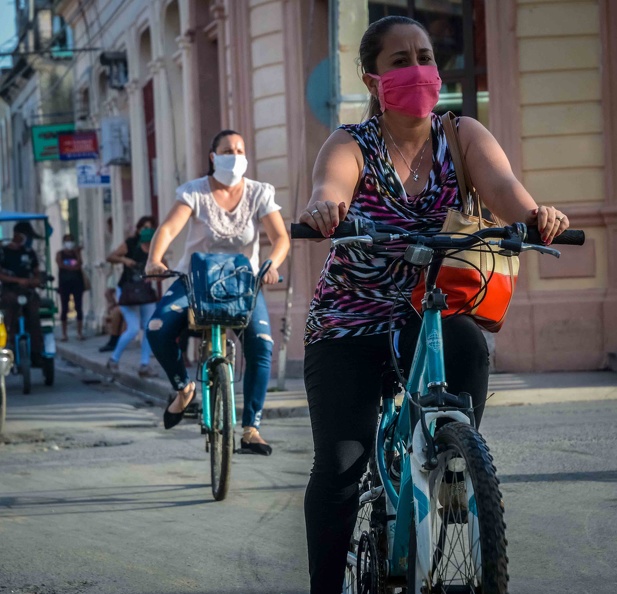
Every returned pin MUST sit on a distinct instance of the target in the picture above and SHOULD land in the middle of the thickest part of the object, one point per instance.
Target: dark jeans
(66, 289)
(9, 304)
(343, 381)
(170, 319)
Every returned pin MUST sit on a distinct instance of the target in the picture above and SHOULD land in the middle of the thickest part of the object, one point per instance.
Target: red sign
(82, 144)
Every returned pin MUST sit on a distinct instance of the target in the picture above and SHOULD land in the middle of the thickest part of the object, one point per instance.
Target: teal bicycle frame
(409, 432)
(215, 356)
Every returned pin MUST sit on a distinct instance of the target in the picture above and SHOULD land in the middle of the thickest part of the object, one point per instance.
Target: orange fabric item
(467, 293)
(460, 280)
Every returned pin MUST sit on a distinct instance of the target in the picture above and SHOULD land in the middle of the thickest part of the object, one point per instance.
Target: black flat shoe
(262, 449)
(249, 447)
(172, 419)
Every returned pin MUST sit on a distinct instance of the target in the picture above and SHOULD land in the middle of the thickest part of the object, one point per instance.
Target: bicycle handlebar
(175, 273)
(514, 236)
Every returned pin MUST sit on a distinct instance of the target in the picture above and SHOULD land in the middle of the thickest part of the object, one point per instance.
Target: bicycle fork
(220, 353)
(415, 483)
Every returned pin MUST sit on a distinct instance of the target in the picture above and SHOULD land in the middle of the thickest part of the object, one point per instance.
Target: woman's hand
(324, 216)
(271, 277)
(155, 268)
(550, 222)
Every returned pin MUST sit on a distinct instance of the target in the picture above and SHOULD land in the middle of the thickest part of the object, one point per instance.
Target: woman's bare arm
(335, 177)
(119, 256)
(279, 239)
(497, 185)
(169, 229)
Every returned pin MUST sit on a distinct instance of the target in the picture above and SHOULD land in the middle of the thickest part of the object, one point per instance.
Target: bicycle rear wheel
(466, 513)
(370, 521)
(221, 437)
(2, 403)
(24, 365)
(48, 367)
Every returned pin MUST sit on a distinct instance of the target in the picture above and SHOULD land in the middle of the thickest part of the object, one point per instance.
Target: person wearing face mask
(70, 282)
(394, 168)
(19, 274)
(133, 254)
(223, 210)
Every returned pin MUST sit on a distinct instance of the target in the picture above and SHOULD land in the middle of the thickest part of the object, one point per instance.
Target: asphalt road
(95, 497)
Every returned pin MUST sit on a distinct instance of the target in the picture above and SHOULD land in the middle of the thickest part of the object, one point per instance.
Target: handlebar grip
(568, 237)
(303, 231)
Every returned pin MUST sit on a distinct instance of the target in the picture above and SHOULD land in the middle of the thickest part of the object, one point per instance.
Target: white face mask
(229, 169)
(69, 245)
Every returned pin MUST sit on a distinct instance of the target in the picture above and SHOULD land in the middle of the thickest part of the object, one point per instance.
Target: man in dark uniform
(19, 274)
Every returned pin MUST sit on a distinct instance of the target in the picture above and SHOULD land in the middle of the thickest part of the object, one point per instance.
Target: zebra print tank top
(357, 288)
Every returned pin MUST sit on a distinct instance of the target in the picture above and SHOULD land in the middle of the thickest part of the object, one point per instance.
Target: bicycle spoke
(464, 490)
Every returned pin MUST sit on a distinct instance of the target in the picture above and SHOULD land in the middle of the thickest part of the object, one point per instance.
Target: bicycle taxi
(22, 361)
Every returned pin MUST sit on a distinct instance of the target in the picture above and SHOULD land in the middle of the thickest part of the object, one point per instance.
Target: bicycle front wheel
(221, 437)
(466, 513)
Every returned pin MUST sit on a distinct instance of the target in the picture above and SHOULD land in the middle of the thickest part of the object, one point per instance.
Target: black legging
(343, 381)
(66, 289)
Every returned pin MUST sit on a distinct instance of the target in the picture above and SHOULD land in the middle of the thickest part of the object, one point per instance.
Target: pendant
(416, 177)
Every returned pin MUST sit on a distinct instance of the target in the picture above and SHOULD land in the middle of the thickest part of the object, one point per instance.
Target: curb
(148, 389)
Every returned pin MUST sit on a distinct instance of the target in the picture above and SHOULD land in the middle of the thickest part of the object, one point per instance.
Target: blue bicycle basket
(222, 289)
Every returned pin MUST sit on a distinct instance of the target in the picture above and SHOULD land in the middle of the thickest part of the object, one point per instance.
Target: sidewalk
(509, 389)
(290, 403)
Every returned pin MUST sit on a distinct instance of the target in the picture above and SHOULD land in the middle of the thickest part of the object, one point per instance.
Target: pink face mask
(413, 90)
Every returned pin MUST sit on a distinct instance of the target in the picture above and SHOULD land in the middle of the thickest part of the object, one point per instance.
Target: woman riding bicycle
(224, 209)
(395, 169)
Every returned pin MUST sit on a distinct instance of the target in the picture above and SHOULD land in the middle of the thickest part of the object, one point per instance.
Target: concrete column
(190, 99)
(165, 169)
(139, 158)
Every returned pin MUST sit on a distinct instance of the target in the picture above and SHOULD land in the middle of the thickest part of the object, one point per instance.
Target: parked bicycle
(215, 369)
(22, 349)
(431, 512)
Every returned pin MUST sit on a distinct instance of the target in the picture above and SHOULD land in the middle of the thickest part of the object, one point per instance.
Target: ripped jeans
(169, 320)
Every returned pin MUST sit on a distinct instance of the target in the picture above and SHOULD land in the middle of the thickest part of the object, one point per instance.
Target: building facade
(541, 74)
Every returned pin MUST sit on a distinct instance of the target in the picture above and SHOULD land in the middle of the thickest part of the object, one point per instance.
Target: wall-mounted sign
(45, 140)
(115, 144)
(81, 144)
(93, 176)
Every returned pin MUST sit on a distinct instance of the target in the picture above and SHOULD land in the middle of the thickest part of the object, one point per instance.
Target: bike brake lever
(357, 239)
(541, 248)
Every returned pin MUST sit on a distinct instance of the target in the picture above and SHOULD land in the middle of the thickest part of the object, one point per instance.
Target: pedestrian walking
(136, 297)
(70, 284)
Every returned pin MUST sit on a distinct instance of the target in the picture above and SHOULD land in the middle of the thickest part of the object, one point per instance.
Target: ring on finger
(313, 212)
(561, 218)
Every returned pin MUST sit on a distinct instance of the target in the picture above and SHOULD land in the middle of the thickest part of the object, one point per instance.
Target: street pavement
(505, 389)
(96, 498)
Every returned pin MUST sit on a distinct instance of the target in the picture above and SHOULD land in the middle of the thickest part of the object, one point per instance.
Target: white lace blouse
(214, 229)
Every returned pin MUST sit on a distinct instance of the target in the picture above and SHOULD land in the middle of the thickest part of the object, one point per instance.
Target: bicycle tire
(370, 515)
(221, 437)
(468, 539)
(24, 366)
(48, 368)
(2, 403)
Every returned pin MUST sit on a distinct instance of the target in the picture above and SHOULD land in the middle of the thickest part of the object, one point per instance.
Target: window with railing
(457, 29)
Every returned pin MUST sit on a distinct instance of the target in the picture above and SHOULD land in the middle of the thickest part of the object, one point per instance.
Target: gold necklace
(414, 172)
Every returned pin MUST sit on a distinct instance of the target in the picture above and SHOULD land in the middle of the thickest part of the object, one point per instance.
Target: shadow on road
(601, 476)
(41, 503)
